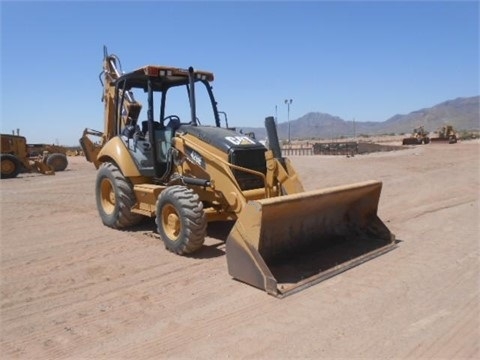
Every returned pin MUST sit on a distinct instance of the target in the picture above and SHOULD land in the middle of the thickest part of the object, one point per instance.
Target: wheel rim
(8, 167)
(107, 196)
(171, 222)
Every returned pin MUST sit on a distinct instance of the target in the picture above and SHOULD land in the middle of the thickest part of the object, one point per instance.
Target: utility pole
(288, 102)
(354, 135)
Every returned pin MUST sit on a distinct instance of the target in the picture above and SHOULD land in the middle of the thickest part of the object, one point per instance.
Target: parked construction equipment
(186, 174)
(445, 134)
(419, 136)
(56, 155)
(15, 157)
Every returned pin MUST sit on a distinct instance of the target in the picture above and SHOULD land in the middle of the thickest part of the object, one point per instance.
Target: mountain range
(461, 113)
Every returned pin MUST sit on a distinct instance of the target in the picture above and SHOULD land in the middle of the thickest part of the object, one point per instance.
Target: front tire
(180, 220)
(115, 198)
(57, 161)
(10, 166)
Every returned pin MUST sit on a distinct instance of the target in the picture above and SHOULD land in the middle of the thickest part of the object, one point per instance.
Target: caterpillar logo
(240, 140)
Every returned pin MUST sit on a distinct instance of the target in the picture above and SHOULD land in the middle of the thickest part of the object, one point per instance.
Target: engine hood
(223, 139)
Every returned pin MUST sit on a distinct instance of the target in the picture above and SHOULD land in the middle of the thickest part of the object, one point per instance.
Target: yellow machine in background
(419, 136)
(56, 155)
(445, 134)
(15, 157)
(185, 174)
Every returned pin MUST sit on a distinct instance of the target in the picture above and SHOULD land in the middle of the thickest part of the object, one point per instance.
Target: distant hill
(462, 113)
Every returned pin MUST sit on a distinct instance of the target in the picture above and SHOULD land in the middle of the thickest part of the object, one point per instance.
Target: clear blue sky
(357, 59)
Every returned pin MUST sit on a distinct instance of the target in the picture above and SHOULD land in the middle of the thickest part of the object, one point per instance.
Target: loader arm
(281, 175)
(217, 170)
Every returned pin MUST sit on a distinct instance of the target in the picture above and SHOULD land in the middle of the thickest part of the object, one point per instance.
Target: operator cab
(170, 91)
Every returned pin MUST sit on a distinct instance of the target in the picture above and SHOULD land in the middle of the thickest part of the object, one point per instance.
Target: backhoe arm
(130, 107)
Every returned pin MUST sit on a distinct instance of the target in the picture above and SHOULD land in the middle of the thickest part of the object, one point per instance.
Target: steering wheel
(173, 119)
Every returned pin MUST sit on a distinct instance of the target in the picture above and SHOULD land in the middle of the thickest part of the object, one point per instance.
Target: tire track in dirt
(458, 341)
(168, 281)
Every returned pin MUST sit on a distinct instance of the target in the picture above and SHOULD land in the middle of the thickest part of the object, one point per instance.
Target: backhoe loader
(186, 174)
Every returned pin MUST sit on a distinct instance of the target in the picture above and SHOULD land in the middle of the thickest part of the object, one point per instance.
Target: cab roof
(162, 77)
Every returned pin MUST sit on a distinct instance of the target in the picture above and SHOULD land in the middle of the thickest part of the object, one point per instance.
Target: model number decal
(240, 140)
(195, 157)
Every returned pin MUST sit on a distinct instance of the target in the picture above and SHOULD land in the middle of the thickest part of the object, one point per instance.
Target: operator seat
(156, 126)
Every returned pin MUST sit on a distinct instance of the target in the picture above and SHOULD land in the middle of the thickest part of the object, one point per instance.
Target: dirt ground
(72, 288)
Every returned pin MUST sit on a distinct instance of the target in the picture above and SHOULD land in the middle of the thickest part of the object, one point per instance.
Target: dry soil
(72, 288)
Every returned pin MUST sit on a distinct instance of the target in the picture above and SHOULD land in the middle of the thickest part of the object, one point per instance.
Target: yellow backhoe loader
(15, 158)
(185, 174)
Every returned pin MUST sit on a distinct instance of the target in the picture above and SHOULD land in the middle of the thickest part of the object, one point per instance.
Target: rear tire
(115, 198)
(180, 220)
(57, 161)
(10, 166)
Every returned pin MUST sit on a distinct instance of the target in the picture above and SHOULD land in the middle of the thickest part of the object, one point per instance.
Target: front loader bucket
(42, 167)
(286, 243)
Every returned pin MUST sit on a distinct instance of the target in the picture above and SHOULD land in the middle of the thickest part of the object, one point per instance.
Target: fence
(304, 150)
(334, 148)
